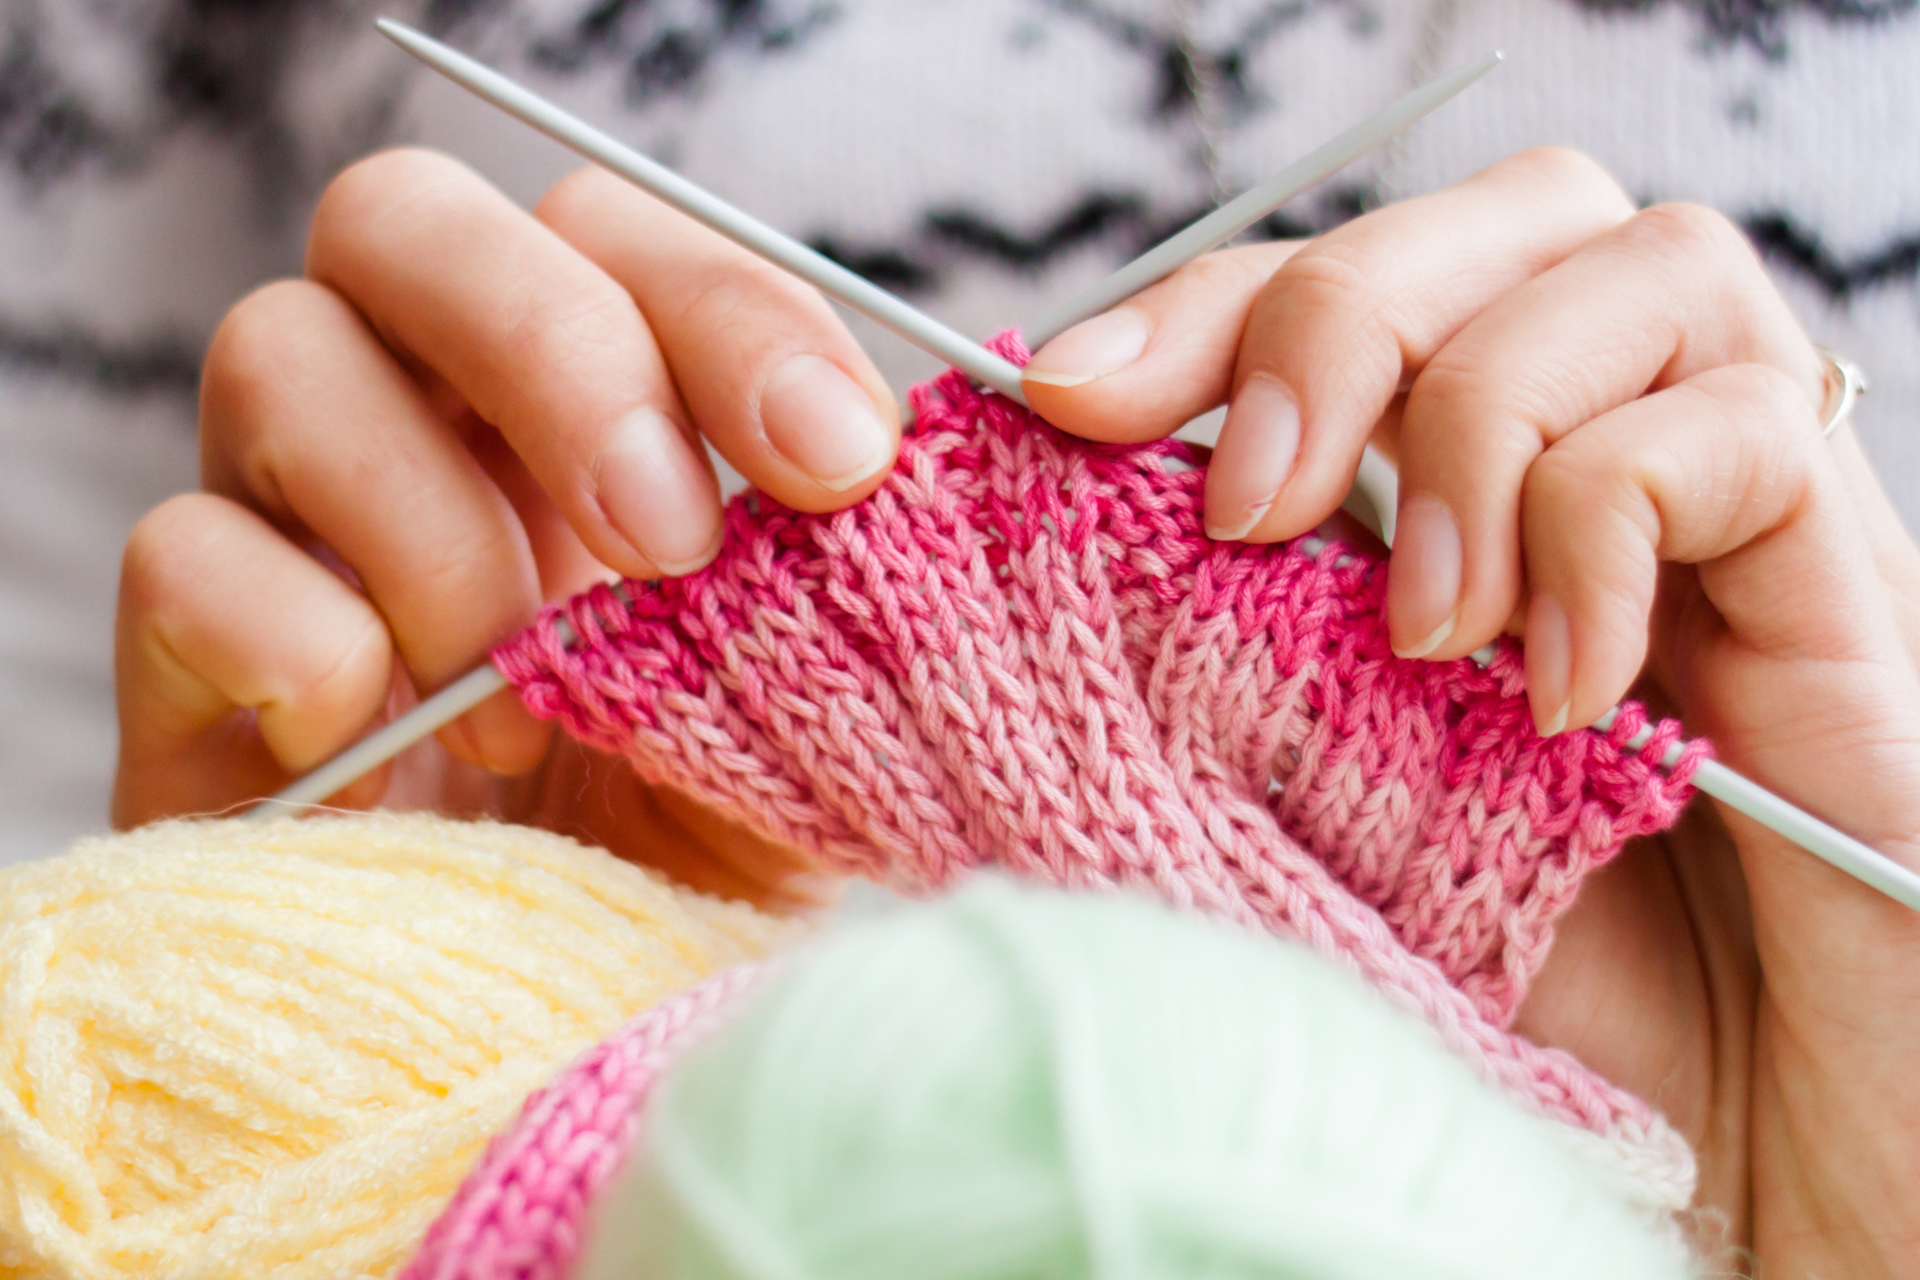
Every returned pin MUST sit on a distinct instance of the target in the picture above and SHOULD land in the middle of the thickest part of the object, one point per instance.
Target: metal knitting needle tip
(1836, 847)
(1230, 219)
(1783, 818)
(749, 233)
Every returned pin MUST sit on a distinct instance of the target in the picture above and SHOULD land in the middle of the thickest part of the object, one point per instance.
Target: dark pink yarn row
(1023, 651)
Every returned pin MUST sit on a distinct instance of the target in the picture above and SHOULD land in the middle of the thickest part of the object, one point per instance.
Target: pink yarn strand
(1023, 650)
(521, 1213)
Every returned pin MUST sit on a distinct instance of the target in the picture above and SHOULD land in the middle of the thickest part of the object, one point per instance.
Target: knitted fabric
(1023, 650)
(520, 1214)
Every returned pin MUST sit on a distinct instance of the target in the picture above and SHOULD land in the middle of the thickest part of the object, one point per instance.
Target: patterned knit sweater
(159, 158)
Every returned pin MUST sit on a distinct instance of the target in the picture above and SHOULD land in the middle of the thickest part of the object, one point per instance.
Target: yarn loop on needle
(1023, 650)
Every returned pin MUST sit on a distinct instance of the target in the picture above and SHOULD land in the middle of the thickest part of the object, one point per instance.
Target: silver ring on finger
(1846, 383)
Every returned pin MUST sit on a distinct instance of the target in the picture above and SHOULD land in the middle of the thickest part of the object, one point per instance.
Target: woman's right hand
(463, 411)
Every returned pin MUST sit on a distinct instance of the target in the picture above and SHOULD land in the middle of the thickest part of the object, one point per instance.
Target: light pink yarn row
(520, 1214)
(1023, 650)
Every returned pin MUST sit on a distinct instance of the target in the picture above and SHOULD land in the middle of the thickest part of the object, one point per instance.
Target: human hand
(463, 411)
(1606, 428)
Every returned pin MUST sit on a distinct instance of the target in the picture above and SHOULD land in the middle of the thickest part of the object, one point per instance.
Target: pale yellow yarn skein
(274, 1049)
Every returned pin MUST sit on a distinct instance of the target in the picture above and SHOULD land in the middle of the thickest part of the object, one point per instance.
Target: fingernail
(819, 419)
(1091, 349)
(655, 491)
(1258, 444)
(1549, 659)
(1423, 579)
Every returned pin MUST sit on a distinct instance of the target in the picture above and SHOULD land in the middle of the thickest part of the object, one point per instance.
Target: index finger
(539, 341)
(767, 371)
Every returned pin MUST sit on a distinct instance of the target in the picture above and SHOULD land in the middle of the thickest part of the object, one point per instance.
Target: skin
(1606, 427)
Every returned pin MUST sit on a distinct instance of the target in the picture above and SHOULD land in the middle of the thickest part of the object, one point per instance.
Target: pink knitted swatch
(519, 1215)
(1023, 650)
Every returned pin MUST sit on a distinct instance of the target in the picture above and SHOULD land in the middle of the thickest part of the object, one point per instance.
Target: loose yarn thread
(1022, 650)
(273, 1049)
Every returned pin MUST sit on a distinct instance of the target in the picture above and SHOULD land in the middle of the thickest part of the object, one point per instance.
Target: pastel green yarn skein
(1021, 1084)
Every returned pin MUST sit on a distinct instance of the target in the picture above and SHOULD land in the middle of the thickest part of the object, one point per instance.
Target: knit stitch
(1023, 650)
(520, 1214)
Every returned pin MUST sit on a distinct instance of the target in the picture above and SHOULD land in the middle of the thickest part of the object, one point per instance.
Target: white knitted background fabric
(158, 158)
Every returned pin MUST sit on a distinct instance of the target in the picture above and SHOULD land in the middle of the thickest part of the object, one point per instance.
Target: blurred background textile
(159, 158)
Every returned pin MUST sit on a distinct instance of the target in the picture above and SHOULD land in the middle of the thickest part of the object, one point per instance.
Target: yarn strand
(1023, 650)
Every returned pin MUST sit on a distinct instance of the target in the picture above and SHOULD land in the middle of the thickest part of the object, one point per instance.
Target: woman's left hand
(1606, 426)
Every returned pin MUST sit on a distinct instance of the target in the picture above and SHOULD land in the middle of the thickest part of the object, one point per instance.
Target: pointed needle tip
(402, 34)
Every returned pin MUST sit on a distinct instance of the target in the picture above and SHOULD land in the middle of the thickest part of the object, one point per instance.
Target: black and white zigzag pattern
(220, 69)
(1762, 24)
(159, 157)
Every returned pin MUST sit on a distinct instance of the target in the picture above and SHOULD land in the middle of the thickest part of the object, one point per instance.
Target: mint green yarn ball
(1016, 1084)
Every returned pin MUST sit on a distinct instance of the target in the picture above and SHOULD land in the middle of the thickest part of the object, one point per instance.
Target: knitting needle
(749, 233)
(374, 750)
(1379, 480)
(1743, 795)
(1376, 479)
(1259, 200)
(483, 682)
(1732, 789)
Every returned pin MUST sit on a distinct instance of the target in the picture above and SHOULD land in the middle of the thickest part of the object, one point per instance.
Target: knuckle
(483, 574)
(375, 180)
(1557, 161)
(1335, 287)
(250, 348)
(1456, 393)
(1789, 446)
(171, 544)
(739, 295)
(259, 360)
(1767, 388)
(569, 200)
(1785, 464)
(336, 682)
(1756, 463)
(1564, 478)
(1581, 491)
(1563, 167)
(1230, 272)
(1328, 275)
(1750, 396)
(580, 318)
(370, 190)
(322, 646)
(1690, 230)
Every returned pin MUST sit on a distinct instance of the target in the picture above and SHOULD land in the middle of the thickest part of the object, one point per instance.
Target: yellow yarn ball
(274, 1048)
